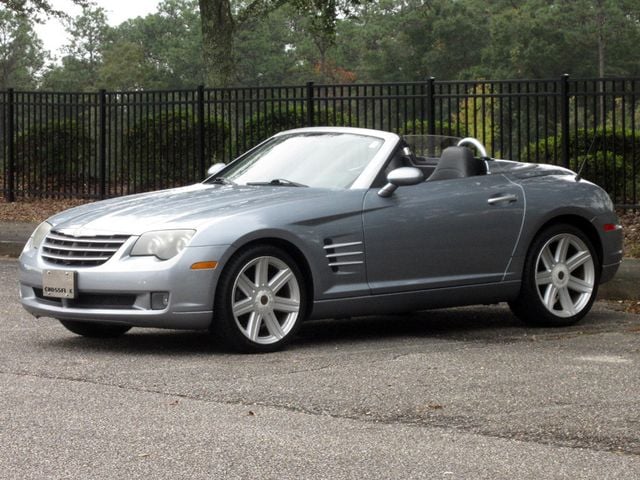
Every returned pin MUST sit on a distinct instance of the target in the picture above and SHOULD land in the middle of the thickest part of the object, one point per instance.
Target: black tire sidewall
(224, 324)
(528, 306)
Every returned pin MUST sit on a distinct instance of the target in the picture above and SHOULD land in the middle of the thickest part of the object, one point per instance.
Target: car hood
(187, 207)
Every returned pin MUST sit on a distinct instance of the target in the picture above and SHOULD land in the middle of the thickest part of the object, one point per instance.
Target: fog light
(159, 300)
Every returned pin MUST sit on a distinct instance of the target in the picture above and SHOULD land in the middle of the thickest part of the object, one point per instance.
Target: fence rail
(104, 144)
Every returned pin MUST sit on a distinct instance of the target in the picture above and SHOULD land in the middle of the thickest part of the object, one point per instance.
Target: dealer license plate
(59, 283)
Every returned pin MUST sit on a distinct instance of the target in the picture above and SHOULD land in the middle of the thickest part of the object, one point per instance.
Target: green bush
(55, 156)
(263, 125)
(163, 150)
(609, 157)
(421, 127)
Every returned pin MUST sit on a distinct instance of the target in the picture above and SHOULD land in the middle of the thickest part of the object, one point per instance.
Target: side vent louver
(343, 254)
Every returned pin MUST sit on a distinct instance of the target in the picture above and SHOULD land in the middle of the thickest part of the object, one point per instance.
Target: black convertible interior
(454, 162)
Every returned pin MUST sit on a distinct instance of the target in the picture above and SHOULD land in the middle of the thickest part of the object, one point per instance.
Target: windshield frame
(368, 174)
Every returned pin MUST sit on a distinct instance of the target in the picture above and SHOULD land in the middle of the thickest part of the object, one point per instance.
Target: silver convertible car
(327, 222)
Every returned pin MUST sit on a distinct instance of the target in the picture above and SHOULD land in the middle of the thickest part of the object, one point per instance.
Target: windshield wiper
(222, 181)
(280, 182)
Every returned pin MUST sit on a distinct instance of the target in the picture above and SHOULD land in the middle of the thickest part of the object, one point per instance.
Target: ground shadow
(456, 323)
(488, 324)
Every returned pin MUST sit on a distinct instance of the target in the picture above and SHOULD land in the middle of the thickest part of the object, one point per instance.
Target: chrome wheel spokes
(266, 300)
(565, 275)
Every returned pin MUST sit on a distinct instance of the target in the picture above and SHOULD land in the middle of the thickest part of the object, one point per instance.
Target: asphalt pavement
(465, 393)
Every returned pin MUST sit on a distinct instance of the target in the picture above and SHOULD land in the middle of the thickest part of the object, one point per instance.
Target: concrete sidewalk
(625, 285)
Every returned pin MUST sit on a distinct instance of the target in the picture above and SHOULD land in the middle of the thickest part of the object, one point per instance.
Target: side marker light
(211, 265)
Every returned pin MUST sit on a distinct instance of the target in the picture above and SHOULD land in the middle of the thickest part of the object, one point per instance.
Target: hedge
(421, 127)
(262, 125)
(54, 156)
(610, 157)
(162, 150)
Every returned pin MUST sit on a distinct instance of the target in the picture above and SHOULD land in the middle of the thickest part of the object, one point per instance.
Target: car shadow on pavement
(456, 323)
(489, 324)
(139, 341)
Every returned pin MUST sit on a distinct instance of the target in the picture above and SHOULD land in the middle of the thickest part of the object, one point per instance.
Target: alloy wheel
(565, 275)
(265, 300)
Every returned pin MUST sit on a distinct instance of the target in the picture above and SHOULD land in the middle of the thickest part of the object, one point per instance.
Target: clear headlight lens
(164, 244)
(37, 237)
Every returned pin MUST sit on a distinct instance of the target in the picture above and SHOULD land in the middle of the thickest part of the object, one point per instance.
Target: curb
(11, 248)
(625, 285)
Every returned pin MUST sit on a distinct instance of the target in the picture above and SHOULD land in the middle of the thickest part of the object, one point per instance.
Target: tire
(94, 330)
(260, 300)
(560, 278)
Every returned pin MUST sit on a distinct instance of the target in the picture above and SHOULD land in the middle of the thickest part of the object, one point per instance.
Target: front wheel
(560, 279)
(94, 330)
(260, 300)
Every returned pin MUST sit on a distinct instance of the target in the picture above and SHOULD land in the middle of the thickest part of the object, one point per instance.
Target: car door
(441, 234)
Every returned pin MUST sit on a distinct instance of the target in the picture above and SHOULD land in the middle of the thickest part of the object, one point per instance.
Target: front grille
(61, 249)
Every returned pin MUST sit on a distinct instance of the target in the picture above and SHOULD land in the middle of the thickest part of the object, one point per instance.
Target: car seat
(457, 162)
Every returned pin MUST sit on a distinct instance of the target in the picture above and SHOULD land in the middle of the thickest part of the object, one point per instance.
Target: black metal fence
(103, 144)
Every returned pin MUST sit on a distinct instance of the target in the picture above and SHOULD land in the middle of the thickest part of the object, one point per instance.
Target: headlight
(36, 238)
(164, 244)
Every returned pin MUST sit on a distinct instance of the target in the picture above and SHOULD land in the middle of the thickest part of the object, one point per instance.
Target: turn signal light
(204, 265)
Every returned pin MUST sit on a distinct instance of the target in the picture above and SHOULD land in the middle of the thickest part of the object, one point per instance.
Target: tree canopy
(21, 52)
(265, 42)
(37, 10)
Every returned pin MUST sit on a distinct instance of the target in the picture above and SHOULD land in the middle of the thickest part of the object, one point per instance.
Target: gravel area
(628, 306)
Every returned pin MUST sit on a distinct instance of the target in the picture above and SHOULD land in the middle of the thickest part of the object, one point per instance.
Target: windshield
(314, 159)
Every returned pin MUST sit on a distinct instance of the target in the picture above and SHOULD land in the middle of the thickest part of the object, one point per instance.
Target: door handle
(509, 198)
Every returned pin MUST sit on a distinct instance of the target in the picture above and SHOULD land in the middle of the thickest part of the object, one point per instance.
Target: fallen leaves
(35, 211)
(630, 220)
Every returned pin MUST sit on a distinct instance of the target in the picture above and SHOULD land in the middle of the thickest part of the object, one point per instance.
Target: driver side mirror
(215, 168)
(401, 177)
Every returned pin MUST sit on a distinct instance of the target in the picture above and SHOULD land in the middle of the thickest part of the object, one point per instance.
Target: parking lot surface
(459, 393)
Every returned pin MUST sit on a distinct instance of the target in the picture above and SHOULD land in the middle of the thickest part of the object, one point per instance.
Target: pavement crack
(313, 369)
(447, 423)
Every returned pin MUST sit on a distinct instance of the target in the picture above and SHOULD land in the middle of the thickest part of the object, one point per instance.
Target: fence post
(201, 132)
(310, 112)
(10, 195)
(564, 118)
(431, 106)
(102, 143)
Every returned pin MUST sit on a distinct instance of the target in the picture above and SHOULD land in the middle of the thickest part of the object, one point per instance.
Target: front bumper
(119, 291)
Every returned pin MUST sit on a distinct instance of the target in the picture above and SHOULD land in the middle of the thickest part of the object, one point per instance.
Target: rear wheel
(95, 330)
(560, 279)
(260, 300)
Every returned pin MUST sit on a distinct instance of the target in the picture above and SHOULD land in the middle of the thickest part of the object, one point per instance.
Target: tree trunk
(601, 50)
(218, 28)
